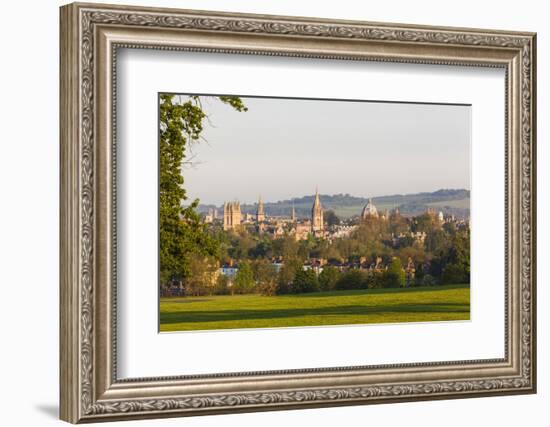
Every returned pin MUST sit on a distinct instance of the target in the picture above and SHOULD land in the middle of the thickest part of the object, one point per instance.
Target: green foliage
(304, 281)
(454, 273)
(244, 279)
(459, 253)
(405, 241)
(242, 246)
(394, 276)
(222, 285)
(415, 252)
(201, 279)
(328, 278)
(375, 280)
(182, 234)
(353, 279)
(419, 275)
(235, 102)
(450, 228)
(331, 218)
(423, 223)
(286, 247)
(398, 224)
(368, 239)
(437, 242)
(265, 276)
(287, 274)
(454, 263)
(428, 280)
(262, 249)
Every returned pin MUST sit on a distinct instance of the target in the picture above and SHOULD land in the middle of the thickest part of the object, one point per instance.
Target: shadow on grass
(376, 291)
(183, 300)
(231, 315)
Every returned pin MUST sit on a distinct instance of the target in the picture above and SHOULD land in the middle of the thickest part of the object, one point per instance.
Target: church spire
(317, 220)
(317, 201)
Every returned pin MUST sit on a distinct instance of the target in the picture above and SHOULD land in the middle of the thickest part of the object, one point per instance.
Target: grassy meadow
(441, 303)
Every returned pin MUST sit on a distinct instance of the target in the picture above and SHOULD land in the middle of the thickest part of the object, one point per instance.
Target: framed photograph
(265, 213)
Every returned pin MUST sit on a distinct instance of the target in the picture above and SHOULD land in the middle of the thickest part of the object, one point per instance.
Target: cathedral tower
(231, 215)
(260, 214)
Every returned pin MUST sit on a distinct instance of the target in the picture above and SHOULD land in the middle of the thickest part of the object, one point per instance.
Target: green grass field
(439, 303)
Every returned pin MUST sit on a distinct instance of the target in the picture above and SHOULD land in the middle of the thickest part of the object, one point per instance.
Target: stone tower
(260, 214)
(317, 222)
(231, 215)
(293, 214)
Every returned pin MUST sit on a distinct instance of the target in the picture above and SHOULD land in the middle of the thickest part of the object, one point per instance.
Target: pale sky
(284, 148)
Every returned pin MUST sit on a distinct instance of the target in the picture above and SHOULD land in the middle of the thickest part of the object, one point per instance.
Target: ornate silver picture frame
(91, 390)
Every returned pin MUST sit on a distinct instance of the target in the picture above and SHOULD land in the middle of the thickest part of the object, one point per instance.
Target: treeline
(368, 259)
(262, 277)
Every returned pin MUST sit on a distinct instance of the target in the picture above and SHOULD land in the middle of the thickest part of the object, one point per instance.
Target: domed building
(369, 210)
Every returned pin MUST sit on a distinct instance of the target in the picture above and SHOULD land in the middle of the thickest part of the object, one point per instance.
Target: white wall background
(29, 171)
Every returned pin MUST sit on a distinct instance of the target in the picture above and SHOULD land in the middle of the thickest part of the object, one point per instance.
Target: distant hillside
(450, 201)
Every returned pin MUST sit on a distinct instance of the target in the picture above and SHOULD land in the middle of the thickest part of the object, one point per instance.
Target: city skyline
(283, 148)
(266, 200)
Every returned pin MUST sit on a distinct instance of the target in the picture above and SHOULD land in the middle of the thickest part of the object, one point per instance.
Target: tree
(201, 279)
(453, 274)
(369, 238)
(423, 223)
(405, 241)
(375, 280)
(182, 234)
(450, 228)
(459, 257)
(394, 276)
(244, 279)
(328, 278)
(263, 249)
(416, 252)
(331, 218)
(242, 245)
(428, 280)
(353, 279)
(398, 224)
(222, 285)
(265, 276)
(304, 281)
(286, 275)
(437, 242)
(286, 247)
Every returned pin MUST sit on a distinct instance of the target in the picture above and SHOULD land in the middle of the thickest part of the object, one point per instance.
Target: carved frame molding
(90, 36)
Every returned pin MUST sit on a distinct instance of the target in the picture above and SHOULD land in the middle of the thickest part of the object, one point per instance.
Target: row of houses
(317, 265)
